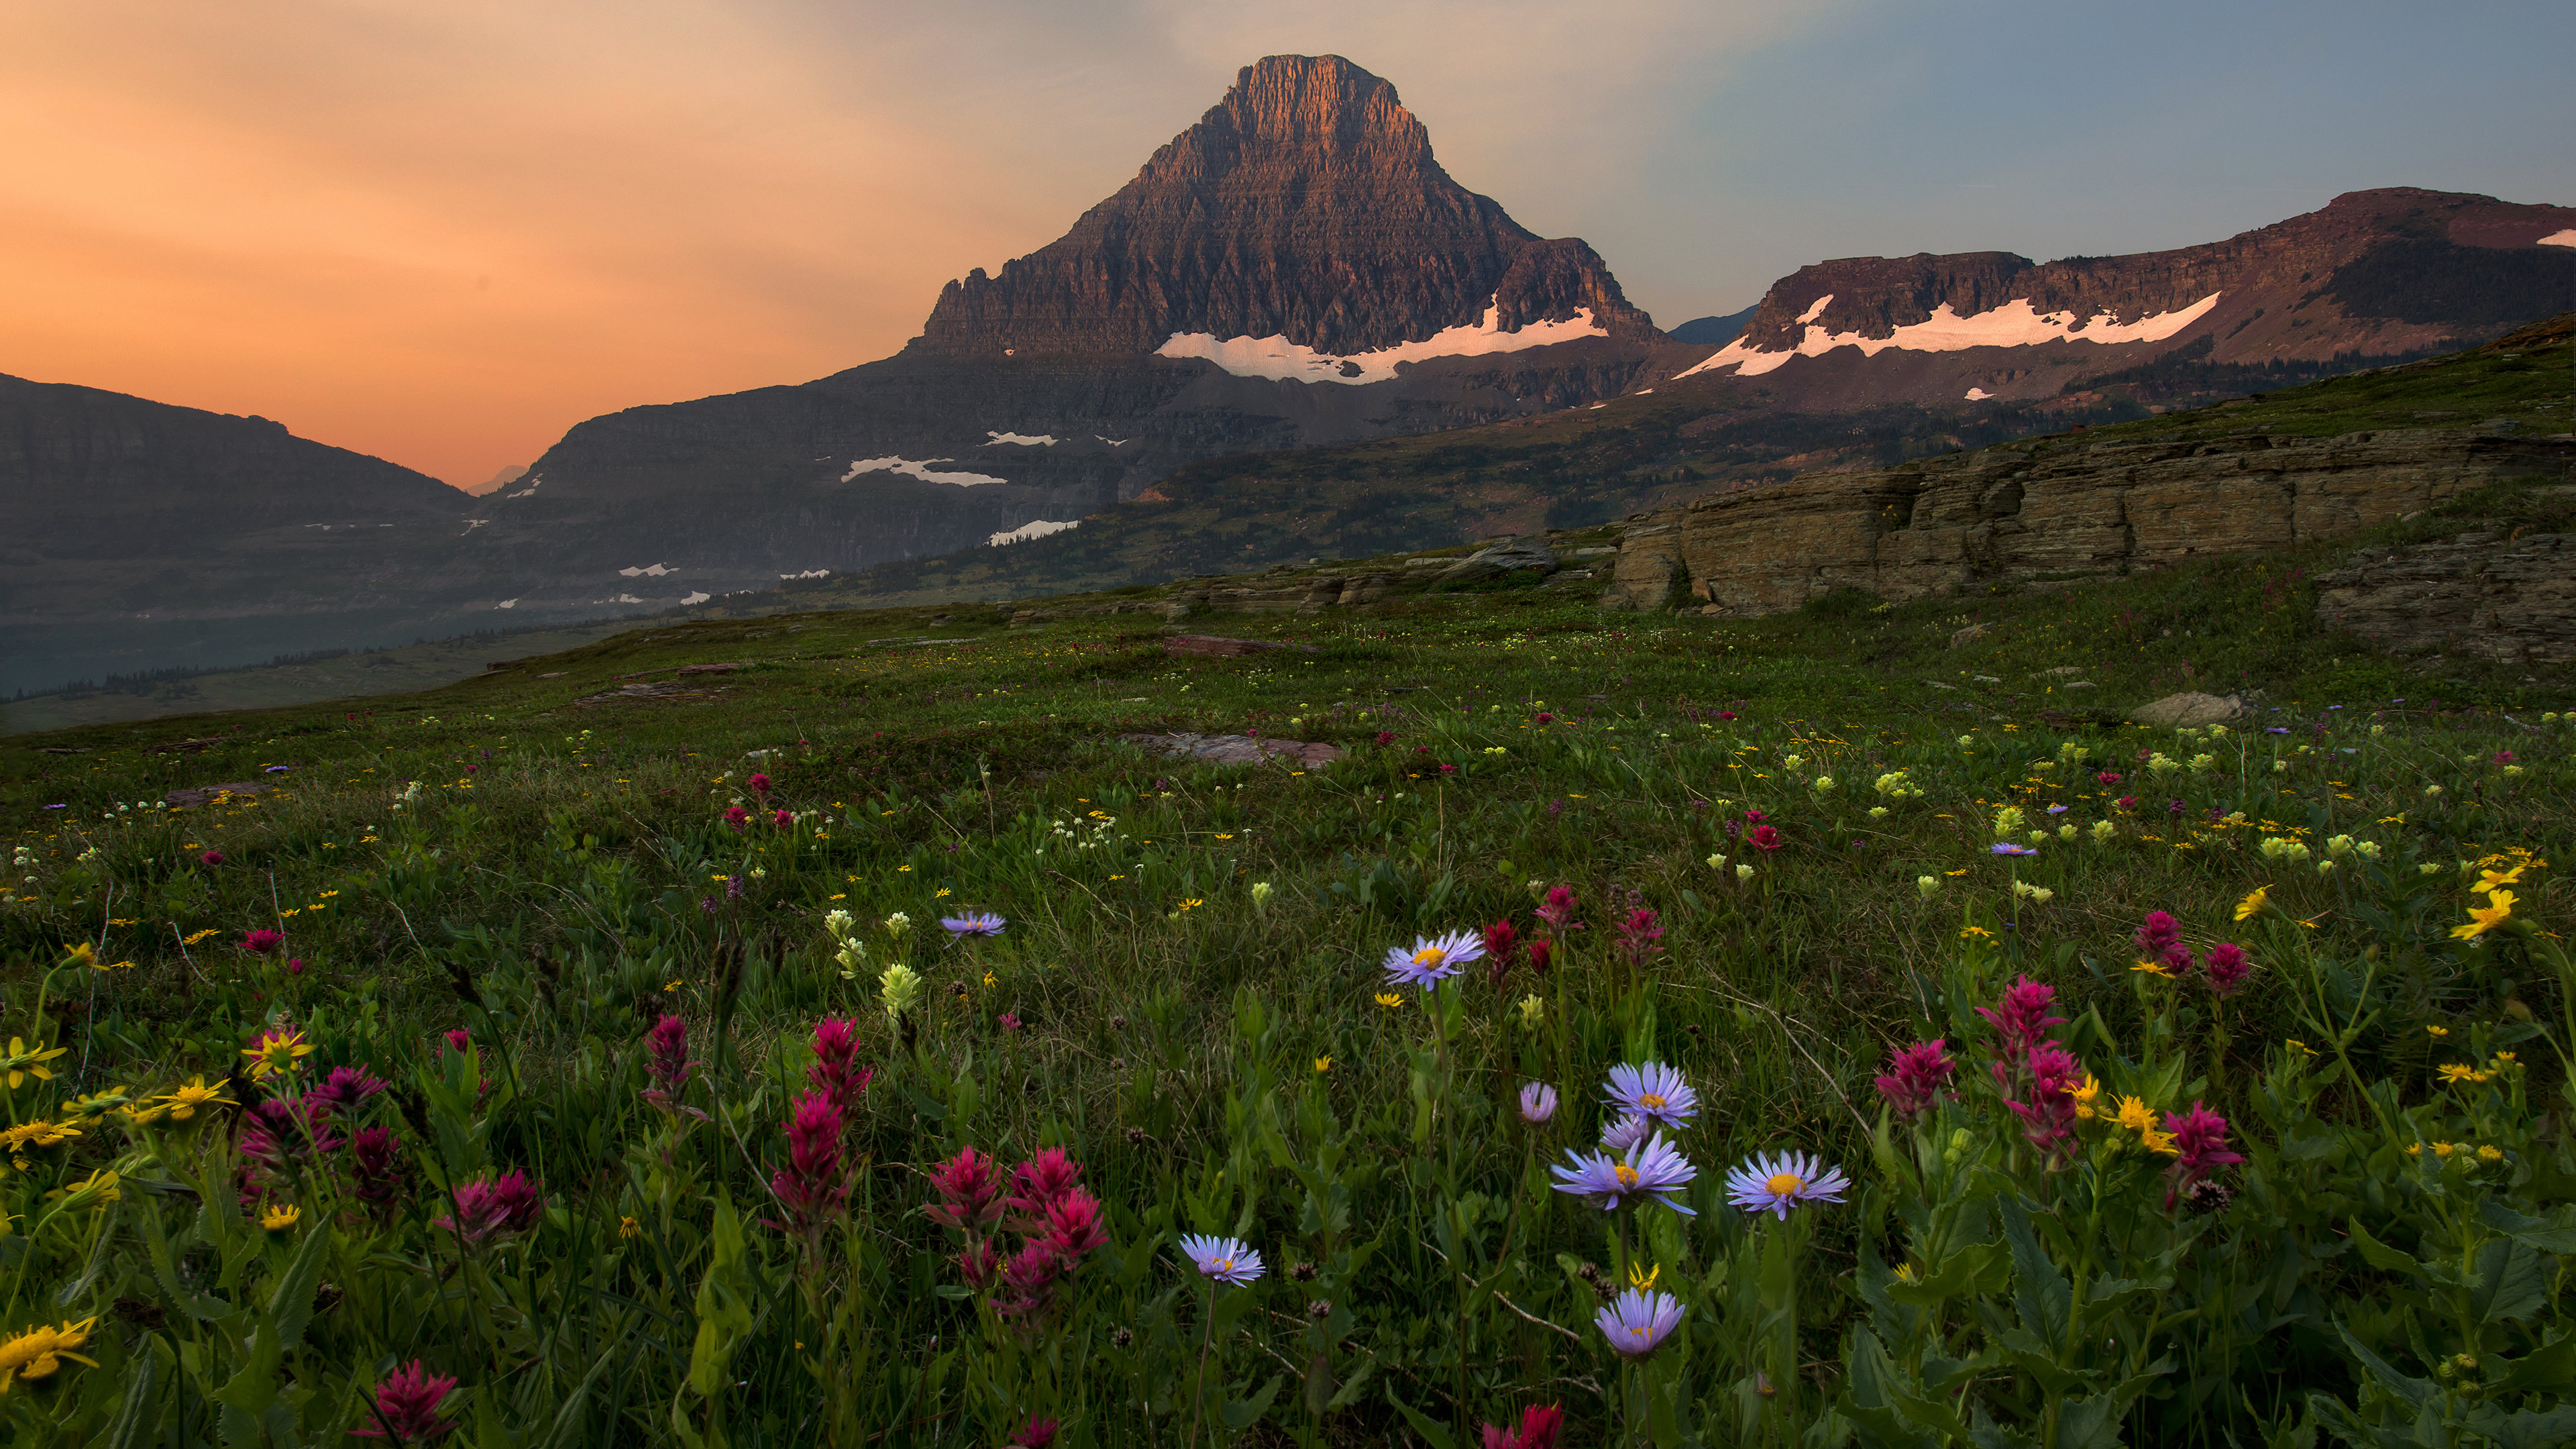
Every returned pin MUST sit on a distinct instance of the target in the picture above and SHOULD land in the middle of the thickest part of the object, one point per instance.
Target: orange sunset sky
(445, 233)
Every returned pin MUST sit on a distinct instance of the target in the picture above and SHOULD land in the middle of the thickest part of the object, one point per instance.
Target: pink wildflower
(1039, 1182)
(1917, 1078)
(1558, 910)
(2021, 1019)
(836, 1072)
(759, 784)
(376, 1163)
(1538, 1430)
(2225, 969)
(406, 1406)
(970, 1192)
(2200, 1148)
(1763, 837)
(1037, 1433)
(782, 819)
(1639, 937)
(737, 817)
(490, 1208)
(1073, 1225)
(2159, 941)
(1540, 949)
(2048, 1116)
(810, 1184)
(211, 858)
(262, 942)
(1502, 944)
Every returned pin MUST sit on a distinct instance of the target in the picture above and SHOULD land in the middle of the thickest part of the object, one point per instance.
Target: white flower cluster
(2275, 847)
(844, 931)
(1897, 785)
(1096, 831)
(2339, 846)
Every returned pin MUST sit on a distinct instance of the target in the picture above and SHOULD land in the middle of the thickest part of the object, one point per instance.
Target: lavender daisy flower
(1432, 959)
(1775, 1184)
(1637, 1322)
(1625, 1132)
(973, 923)
(2006, 847)
(1227, 1260)
(1538, 1102)
(1654, 1091)
(1652, 1169)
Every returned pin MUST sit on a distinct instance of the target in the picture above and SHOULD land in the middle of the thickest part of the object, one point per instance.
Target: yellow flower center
(1430, 956)
(1627, 1175)
(1785, 1185)
(1222, 1264)
(1649, 1100)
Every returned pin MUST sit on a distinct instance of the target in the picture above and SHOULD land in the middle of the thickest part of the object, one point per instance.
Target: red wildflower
(782, 819)
(1917, 1078)
(406, 1406)
(810, 1184)
(1502, 944)
(970, 1192)
(1540, 949)
(2225, 969)
(489, 1208)
(737, 817)
(211, 857)
(2021, 1018)
(836, 1072)
(376, 1163)
(262, 942)
(1538, 1430)
(1039, 1182)
(1763, 837)
(1640, 937)
(759, 784)
(1073, 1225)
(2159, 941)
(2200, 1148)
(1558, 910)
(1037, 1433)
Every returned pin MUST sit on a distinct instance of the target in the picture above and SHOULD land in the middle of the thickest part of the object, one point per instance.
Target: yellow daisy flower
(2499, 909)
(2253, 902)
(40, 1351)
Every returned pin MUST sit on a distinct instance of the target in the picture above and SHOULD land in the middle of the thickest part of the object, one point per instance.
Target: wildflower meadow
(1649, 1034)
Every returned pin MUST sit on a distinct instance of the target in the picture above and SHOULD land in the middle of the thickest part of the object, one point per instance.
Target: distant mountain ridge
(2379, 273)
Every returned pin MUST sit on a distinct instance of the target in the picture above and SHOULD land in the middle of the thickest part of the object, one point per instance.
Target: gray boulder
(2189, 710)
(1506, 557)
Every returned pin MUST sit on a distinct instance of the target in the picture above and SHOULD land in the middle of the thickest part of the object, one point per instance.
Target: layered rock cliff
(2019, 513)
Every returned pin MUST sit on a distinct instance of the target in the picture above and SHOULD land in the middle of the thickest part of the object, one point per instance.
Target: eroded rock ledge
(2019, 512)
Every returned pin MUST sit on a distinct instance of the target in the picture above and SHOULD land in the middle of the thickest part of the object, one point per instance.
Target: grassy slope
(263, 686)
(972, 772)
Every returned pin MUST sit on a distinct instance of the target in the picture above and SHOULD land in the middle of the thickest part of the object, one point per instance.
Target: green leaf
(1436, 1435)
(2547, 1369)
(2089, 1423)
(138, 1414)
(290, 1304)
(2411, 1392)
(2511, 1281)
(2380, 1255)
(2040, 1291)
(2541, 1233)
(2527, 1429)
(1240, 1414)
(1977, 1267)
(165, 1272)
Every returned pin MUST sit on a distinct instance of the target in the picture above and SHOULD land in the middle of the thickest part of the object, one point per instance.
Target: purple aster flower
(1625, 1132)
(1653, 1090)
(1637, 1322)
(2056, 809)
(1227, 1260)
(2006, 847)
(1538, 1102)
(1653, 1168)
(1774, 1184)
(973, 923)
(1432, 959)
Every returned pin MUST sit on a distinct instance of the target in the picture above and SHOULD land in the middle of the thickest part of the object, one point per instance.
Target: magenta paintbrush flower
(407, 1403)
(489, 1209)
(970, 1192)
(1917, 1078)
(2022, 1018)
(262, 942)
(2225, 969)
(836, 1072)
(810, 1185)
(1538, 1430)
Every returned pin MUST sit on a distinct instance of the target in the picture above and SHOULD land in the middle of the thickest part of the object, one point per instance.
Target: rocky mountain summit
(1305, 206)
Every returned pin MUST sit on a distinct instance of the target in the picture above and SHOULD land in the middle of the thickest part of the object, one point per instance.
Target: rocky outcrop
(1307, 205)
(1509, 556)
(2035, 512)
(2487, 595)
(2189, 710)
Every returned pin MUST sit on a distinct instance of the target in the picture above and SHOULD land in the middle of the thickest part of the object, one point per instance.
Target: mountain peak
(1305, 205)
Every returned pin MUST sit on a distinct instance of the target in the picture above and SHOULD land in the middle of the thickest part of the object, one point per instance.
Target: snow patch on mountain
(2014, 324)
(2565, 238)
(1978, 394)
(697, 598)
(1034, 528)
(648, 571)
(1281, 360)
(809, 574)
(1815, 309)
(1042, 440)
(920, 470)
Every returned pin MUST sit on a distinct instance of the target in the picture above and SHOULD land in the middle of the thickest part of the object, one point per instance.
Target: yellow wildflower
(2085, 1096)
(191, 940)
(1644, 1281)
(2491, 878)
(2253, 902)
(2499, 910)
(2154, 968)
(2457, 1072)
(2156, 1139)
(2443, 1149)
(24, 1062)
(628, 1228)
(279, 1219)
(1975, 932)
(2438, 1030)
(98, 1188)
(1323, 1064)
(1389, 1000)
(84, 953)
(2490, 1153)
(184, 1102)
(2135, 1115)
(39, 1352)
(279, 1049)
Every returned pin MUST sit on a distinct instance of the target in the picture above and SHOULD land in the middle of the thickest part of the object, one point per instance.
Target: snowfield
(1281, 360)
(2014, 324)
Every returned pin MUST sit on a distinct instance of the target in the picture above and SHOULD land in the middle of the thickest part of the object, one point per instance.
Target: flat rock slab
(2189, 710)
(657, 689)
(190, 799)
(1209, 646)
(1240, 750)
